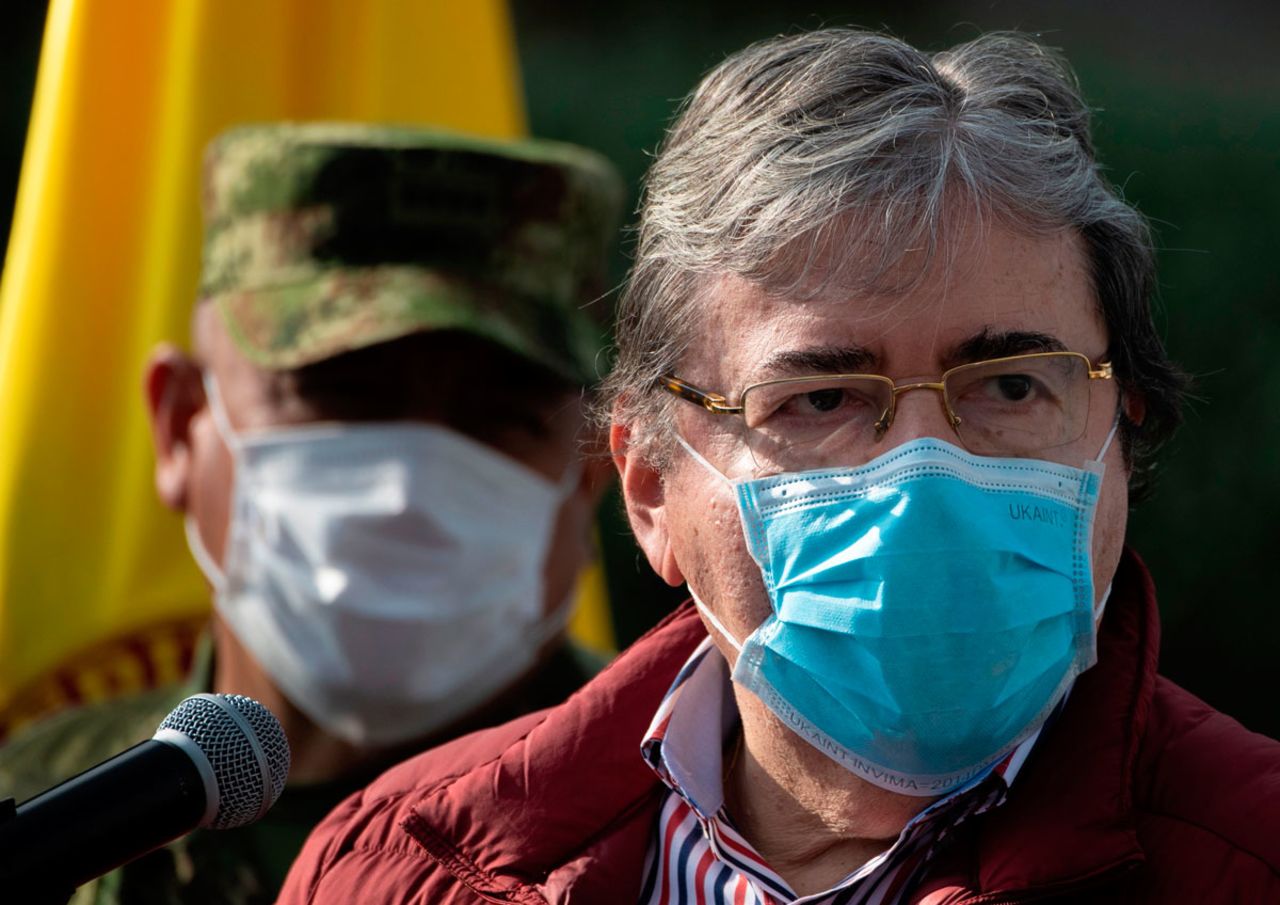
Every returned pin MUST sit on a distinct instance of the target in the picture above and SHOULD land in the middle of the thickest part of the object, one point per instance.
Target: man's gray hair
(853, 140)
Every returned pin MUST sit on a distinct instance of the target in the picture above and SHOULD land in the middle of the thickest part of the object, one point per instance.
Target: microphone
(217, 761)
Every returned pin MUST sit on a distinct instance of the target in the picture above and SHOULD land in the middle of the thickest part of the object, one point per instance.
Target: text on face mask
(886, 779)
(1026, 512)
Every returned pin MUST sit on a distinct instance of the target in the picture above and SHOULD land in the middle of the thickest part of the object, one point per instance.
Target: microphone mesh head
(237, 759)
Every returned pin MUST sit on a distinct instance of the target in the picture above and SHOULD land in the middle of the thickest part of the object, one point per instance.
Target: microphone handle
(102, 818)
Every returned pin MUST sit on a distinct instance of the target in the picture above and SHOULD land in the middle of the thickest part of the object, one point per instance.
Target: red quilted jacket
(1138, 793)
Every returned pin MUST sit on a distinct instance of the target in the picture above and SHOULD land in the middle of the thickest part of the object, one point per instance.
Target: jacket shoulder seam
(365, 849)
(436, 848)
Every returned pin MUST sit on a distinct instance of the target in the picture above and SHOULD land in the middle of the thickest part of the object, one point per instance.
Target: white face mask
(388, 577)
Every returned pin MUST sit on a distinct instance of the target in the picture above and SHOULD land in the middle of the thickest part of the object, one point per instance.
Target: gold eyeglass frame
(718, 404)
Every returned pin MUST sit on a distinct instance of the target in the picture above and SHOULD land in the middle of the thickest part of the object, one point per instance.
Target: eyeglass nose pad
(918, 421)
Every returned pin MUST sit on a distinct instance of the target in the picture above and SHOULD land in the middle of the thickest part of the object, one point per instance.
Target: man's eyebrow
(818, 360)
(1001, 343)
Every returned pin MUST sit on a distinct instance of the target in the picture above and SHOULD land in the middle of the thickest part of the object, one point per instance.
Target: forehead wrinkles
(740, 322)
(742, 325)
(879, 252)
(821, 275)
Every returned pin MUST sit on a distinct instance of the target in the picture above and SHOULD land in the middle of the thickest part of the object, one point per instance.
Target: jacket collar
(570, 804)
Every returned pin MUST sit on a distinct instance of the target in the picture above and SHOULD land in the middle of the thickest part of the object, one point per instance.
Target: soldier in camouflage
(373, 280)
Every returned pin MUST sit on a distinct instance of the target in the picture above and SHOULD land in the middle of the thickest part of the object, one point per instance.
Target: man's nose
(920, 411)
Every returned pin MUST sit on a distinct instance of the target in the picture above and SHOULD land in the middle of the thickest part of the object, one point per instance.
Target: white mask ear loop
(711, 617)
(1102, 606)
(552, 623)
(569, 480)
(1106, 444)
(221, 421)
(698, 457)
(195, 543)
(200, 553)
(1096, 465)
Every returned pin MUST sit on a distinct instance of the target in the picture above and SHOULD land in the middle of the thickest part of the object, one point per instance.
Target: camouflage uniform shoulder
(74, 740)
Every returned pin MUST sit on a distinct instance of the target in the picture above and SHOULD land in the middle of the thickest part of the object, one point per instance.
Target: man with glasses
(887, 382)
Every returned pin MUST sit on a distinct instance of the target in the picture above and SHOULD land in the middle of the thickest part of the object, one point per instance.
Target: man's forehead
(1014, 294)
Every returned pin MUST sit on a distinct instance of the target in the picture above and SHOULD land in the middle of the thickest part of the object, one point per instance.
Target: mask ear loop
(1102, 606)
(1095, 465)
(552, 623)
(221, 421)
(711, 617)
(697, 601)
(200, 553)
(1106, 444)
(697, 457)
(195, 543)
(570, 479)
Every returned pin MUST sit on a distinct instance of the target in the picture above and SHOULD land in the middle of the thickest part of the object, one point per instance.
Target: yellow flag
(102, 263)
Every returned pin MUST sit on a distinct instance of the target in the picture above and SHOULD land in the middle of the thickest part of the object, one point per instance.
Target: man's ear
(645, 496)
(174, 394)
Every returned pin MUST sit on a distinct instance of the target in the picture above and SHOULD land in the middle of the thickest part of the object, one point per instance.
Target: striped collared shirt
(697, 856)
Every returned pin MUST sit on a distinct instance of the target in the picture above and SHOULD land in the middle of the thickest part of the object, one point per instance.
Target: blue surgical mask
(929, 608)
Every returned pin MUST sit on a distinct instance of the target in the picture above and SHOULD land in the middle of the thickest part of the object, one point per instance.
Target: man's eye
(824, 400)
(1013, 387)
(812, 405)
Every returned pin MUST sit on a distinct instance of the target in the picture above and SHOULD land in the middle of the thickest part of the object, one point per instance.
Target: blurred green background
(1188, 123)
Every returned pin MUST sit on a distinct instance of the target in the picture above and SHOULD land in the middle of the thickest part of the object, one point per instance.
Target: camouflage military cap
(321, 238)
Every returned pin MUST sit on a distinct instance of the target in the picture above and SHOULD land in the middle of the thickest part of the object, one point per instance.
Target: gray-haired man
(912, 320)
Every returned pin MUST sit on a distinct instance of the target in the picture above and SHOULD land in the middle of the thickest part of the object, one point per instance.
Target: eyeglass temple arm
(712, 402)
